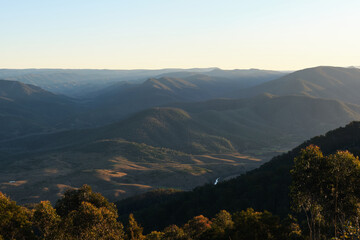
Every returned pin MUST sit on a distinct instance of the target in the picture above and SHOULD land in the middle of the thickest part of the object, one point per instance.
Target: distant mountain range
(80, 82)
(110, 102)
(197, 121)
(120, 101)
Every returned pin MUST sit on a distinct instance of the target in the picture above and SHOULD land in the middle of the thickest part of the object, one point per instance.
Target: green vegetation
(324, 191)
(15, 221)
(83, 214)
(265, 188)
(80, 214)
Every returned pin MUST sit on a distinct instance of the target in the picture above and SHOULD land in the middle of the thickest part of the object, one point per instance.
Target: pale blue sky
(116, 34)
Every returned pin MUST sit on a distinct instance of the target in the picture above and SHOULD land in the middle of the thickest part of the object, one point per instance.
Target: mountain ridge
(325, 82)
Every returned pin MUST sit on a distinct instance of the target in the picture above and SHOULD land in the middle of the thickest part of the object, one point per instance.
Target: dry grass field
(124, 169)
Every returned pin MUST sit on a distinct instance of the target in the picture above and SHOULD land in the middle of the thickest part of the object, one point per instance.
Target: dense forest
(83, 214)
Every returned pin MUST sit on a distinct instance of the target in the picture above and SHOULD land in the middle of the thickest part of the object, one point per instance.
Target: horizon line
(170, 68)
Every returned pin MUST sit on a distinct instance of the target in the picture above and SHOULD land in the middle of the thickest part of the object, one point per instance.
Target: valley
(180, 129)
(118, 169)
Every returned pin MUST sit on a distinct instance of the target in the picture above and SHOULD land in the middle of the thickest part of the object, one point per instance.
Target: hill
(264, 124)
(161, 127)
(120, 100)
(240, 78)
(171, 128)
(324, 82)
(262, 188)
(183, 148)
(267, 121)
(27, 109)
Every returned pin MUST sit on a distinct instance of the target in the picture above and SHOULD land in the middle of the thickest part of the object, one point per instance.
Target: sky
(154, 34)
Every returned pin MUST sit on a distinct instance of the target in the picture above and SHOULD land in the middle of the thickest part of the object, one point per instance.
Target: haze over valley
(179, 129)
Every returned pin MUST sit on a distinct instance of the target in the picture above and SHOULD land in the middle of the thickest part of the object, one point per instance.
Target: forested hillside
(265, 188)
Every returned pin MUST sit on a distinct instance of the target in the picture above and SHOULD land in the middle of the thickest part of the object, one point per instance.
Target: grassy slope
(114, 167)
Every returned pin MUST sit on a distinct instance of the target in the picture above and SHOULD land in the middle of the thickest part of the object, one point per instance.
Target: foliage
(349, 231)
(342, 192)
(306, 187)
(90, 222)
(197, 226)
(155, 235)
(87, 215)
(221, 225)
(73, 199)
(326, 189)
(94, 218)
(173, 232)
(15, 221)
(250, 224)
(45, 219)
(133, 230)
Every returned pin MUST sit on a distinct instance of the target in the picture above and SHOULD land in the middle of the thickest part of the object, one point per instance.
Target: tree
(250, 224)
(221, 225)
(154, 235)
(87, 215)
(341, 195)
(291, 229)
(90, 222)
(306, 188)
(73, 199)
(15, 221)
(197, 226)
(173, 232)
(46, 219)
(326, 189)
(349, 231)
(134, 231)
